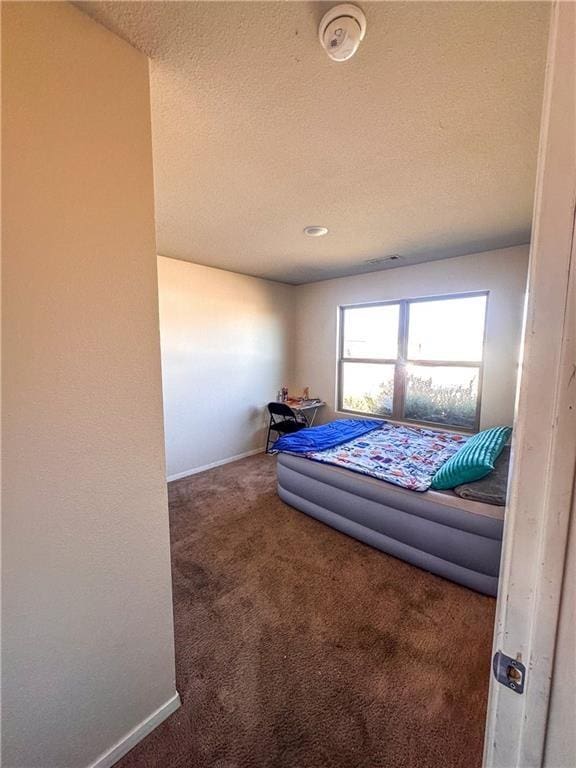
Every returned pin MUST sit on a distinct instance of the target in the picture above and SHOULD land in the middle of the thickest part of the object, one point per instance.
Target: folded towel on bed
(492, 488)
(326, 436)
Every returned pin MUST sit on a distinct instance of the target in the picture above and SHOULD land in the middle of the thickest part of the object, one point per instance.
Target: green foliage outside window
(425, 401)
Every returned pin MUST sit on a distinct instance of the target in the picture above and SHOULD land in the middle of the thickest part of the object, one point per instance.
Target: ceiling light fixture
(315, 231)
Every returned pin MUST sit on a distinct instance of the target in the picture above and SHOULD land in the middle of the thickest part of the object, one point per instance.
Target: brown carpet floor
(298, 647)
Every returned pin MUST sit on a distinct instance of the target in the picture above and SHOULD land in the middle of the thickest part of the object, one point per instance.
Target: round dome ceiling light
(341, 31)
(315, 231)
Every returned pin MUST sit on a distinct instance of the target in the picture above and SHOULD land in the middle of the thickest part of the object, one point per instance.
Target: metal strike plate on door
(508, 671)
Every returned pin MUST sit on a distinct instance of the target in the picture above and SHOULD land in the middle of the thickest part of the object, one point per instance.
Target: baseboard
(109, 758)
(229, 460)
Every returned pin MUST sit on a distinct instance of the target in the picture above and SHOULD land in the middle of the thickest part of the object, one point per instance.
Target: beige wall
(226, 350)
(87, 624)
(503, 273)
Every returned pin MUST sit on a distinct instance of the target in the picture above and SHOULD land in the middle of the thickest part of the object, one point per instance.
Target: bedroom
(225, 212)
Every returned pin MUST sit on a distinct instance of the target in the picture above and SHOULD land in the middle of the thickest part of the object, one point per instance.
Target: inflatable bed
(386, 485)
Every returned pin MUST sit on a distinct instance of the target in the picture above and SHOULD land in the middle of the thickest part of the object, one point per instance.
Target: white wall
(87, 624)
(560, 748)
(226, 350)
(502, 272)
(230, 341)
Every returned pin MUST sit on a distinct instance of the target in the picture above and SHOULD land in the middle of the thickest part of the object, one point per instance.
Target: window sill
(407, 422)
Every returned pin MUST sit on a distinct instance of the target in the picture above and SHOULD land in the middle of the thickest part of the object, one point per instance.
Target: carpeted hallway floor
(298, 647)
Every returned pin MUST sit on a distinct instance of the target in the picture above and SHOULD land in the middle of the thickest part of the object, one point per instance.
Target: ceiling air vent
(382, 259)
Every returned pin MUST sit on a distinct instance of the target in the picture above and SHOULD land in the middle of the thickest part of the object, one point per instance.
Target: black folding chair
(283, 420)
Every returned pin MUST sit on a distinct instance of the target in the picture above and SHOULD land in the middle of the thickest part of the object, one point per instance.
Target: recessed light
(315, 231)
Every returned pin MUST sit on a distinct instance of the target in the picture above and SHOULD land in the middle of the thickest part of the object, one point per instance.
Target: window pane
(448, 329)
(368, 387)
(371, 331)
(442, 394)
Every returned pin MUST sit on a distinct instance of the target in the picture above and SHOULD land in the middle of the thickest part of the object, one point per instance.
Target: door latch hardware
(508, 671)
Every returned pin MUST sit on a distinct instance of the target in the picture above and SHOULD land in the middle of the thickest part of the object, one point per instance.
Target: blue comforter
(326, 436)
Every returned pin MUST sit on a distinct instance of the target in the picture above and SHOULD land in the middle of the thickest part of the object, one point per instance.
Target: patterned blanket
(405, 456)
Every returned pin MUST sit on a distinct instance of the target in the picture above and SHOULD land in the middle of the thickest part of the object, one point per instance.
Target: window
(414, 360)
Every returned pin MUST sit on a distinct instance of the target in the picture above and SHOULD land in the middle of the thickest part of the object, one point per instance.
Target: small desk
(306, 408)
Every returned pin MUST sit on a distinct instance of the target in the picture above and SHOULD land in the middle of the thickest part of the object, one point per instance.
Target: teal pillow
(474, 460)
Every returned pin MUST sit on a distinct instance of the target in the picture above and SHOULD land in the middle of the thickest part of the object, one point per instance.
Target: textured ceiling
(424, 144)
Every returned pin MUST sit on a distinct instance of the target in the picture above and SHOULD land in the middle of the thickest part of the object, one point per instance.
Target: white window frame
(402, 360)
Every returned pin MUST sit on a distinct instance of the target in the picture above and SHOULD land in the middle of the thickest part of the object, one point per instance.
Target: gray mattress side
(468, 554)
(442, 508)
